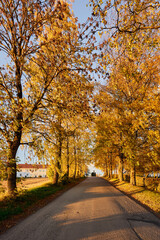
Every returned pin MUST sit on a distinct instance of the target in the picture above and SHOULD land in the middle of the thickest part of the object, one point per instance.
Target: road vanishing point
(91, 210)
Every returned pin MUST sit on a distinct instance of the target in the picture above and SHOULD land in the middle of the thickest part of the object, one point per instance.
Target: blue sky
(80, 10)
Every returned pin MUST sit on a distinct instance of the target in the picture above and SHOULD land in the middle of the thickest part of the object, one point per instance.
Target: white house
(31, 170)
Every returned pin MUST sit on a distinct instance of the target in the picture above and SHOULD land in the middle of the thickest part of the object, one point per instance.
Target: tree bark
(120, 168)
(75, 162)
(56, 177)
(59, 156)
(11, 161)
(67, 157)
(110, 164)
(133, 175)
(106, 168)
(14, 145)
(11, 179)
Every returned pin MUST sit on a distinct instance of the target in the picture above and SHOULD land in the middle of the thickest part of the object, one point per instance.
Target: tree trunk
(144, 181)
(133, 175)
(133, 167)
(106, 168)
(58, 160)
(11, 179)
(121, 156)
(78, 165)
(75, 162)
(67, 157)
(56, 177)
(57, 170)
(14, 145)
(11, 162)
(120, 169)
(109, 172)
(111, 165)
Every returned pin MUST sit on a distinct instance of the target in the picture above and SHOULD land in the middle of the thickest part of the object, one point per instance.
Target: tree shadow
(84, 212)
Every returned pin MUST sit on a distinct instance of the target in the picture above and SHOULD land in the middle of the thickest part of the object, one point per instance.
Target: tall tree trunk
(67, 157)
(56, 176)
(57, 170)
(133, 166)
(78, 165)
(109, 172)
(11, 175)
(121, 156)
(106, 168)
(58, 160)
(75, 162)
(133, 175)
(11, 162)
(14, 145)
(120, 168)
(110, 164)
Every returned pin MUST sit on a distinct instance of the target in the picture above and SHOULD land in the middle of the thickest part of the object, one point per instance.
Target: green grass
(13, 206)
(149, 198)
(24, 199)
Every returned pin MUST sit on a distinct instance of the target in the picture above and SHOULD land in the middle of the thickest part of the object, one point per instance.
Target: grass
(24, 183)
(147, 197)
(26, 198)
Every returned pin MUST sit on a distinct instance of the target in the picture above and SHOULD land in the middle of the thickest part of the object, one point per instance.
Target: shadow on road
(113, 223)
(91, 210)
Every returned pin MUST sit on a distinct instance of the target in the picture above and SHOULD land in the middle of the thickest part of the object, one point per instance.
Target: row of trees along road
(46, 86)
(128, 123)
(46, 91)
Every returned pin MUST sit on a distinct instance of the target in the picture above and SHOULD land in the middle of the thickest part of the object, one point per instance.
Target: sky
(81, 10)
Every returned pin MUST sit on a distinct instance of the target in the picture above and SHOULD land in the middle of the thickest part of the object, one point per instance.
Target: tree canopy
(74, 98)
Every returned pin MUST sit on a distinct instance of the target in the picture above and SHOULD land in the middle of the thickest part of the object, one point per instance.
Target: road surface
(91, 210)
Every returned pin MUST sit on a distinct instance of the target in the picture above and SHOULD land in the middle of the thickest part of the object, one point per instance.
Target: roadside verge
(148, 199)
(13, 210)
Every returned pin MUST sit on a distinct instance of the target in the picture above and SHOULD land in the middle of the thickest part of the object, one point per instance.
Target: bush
(64, 179)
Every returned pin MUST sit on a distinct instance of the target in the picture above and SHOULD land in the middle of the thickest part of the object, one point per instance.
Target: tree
(131, 88)
(124, 16)
(21, 25)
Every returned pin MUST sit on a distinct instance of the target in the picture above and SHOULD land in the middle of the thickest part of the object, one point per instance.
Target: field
(26, 183)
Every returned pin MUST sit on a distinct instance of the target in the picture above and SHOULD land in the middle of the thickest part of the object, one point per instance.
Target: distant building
(31, 170)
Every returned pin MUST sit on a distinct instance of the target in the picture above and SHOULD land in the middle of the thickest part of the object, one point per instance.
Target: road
(91, 210)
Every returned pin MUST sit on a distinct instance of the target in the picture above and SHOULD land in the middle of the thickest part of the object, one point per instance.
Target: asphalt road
(91, 210)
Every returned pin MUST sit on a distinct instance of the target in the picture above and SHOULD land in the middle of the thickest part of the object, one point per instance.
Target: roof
(37, 166)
